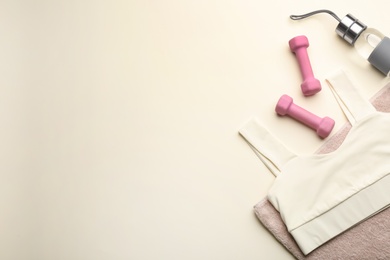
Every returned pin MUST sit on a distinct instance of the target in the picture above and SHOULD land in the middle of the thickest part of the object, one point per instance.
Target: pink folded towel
(369, 239)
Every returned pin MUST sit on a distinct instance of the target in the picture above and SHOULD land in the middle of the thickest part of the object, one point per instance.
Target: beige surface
(119, 122)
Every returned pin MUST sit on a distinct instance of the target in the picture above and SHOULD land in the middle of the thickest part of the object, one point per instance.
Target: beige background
(119, 121)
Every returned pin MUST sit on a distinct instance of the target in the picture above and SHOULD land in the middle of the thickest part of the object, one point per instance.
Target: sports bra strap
(354, 106)
(269, 149)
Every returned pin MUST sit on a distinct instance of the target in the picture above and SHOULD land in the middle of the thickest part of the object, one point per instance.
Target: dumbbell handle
(304, 63)
(304, 116)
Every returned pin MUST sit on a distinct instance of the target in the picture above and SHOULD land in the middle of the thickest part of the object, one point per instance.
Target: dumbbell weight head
(325, 127)
(298, 42)
(283, 105)
(310, 86)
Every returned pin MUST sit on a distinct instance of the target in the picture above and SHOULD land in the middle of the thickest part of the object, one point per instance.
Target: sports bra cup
(321, 195)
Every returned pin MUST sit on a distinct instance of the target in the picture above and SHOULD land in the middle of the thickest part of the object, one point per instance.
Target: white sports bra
(321, 195)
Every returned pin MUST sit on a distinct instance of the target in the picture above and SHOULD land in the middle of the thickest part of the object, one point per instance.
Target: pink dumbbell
(310, 85)
(323, 126)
